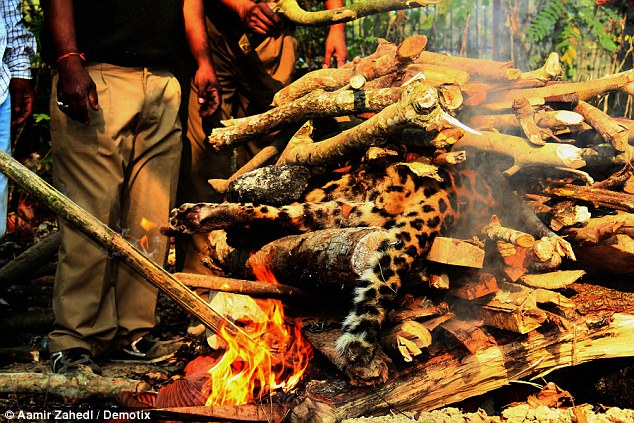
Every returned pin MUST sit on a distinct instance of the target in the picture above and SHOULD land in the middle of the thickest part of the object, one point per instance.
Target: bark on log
(526, 118)
(418, 107)
(496, 232)
(32, 259)
(558, 121)
(385, 60)
(614, 255)
(580, 91)
(597, 197)
(113, 242)
(448, 379)
(229, 413)
(315, 104)
(72, 388)
(476, 68)
(512, 308)
(600, 228)
(324, 257)
(240, 286)
(611, 131)
(521, 154)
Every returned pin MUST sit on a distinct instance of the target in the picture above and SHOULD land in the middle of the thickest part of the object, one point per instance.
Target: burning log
(314, 259)
(240, 286)
(114, 242)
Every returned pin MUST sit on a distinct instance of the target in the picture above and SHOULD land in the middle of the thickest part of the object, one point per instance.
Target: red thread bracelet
(72, 53)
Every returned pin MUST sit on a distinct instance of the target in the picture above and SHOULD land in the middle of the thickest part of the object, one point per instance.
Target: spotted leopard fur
(414, 210)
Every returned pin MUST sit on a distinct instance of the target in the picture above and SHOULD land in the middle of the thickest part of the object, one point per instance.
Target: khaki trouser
(123, 169)
(248, 86)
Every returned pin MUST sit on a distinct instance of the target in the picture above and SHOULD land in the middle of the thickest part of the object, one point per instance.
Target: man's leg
(88, 169)
(151, 164)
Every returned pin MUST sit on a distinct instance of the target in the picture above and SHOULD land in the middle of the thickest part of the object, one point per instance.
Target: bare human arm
(205, 78)
(76, 91)
(257, 17)
(21, 47)
(336, 39)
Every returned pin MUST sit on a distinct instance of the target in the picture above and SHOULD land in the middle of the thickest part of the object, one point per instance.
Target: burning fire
(245, 373)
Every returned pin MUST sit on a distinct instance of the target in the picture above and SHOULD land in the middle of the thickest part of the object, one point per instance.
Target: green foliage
(573, 28)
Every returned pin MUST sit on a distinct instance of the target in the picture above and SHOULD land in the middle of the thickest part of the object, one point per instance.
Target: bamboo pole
(115, 243)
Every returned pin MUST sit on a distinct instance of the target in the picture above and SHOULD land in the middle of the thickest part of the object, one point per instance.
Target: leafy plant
(576, 30)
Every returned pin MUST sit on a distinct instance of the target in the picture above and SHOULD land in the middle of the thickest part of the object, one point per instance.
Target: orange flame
(244, 373)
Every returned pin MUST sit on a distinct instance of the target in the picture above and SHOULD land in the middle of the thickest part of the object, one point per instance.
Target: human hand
(260, 18)
(76, 91)
(336, 46)
(22, 99)
(208, 89)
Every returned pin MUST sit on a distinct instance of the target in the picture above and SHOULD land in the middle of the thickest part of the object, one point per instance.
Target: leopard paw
(362, 361)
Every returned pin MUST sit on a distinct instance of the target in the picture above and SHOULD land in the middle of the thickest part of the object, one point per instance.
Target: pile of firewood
(510, 292)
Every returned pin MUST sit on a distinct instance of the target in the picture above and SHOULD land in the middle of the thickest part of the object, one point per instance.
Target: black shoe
(73, 360)
(146, 349)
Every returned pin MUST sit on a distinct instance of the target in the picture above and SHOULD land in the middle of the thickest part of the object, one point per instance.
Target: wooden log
(413, 308)
(611, 131)
(614, 255)
(447, 379)
(71, 388)
(598, 229)
(526, 118)
(549, 71)
(552, 280)
(596, 197)
(581, 91)
(310, 260)
(32, 321)
(418, 107)
(406, 340)
(455, 252)
(240, 286)
(468, 334)
(476, 68)
(520, 153)
(35, 257)
(558, 121)
(273, 412)
(316, 104)
(473, 285)
(385, 60)
(496, 232)
(512, 308)
(113, 242)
